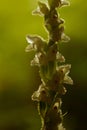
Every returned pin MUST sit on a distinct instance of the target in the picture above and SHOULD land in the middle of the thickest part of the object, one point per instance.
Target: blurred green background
(18, 80)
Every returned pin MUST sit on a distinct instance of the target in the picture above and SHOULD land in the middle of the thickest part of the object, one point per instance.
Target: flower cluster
(50, 62)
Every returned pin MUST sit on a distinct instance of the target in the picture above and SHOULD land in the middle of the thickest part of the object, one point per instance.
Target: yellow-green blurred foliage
(18, 79)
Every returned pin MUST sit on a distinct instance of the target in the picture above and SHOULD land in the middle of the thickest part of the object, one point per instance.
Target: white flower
(65, 38)
(39, 59)
(35, 61)
(60, 57)
(29, 48)
(60, 127)
(64, 3)
(64, 71)
(67, 80)
(35, 43)
(41, 94)
(37, 12)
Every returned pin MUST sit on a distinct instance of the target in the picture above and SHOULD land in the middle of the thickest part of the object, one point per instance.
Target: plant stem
(47, 57)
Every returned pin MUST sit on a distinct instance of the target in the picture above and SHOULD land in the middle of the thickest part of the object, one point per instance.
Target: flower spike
(53, 73)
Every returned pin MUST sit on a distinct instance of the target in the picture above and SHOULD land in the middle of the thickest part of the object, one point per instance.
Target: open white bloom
(64, 68)
(35, 43)
(68, 80)
(64, 71)
(60, 57)
(41, 94)
(64, 3)
(37, 12)
(65, 38)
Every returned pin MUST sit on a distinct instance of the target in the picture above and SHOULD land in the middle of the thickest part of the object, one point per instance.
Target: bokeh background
(18, 80)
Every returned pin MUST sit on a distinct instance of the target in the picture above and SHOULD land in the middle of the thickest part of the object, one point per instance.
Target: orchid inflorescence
(54, 74)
